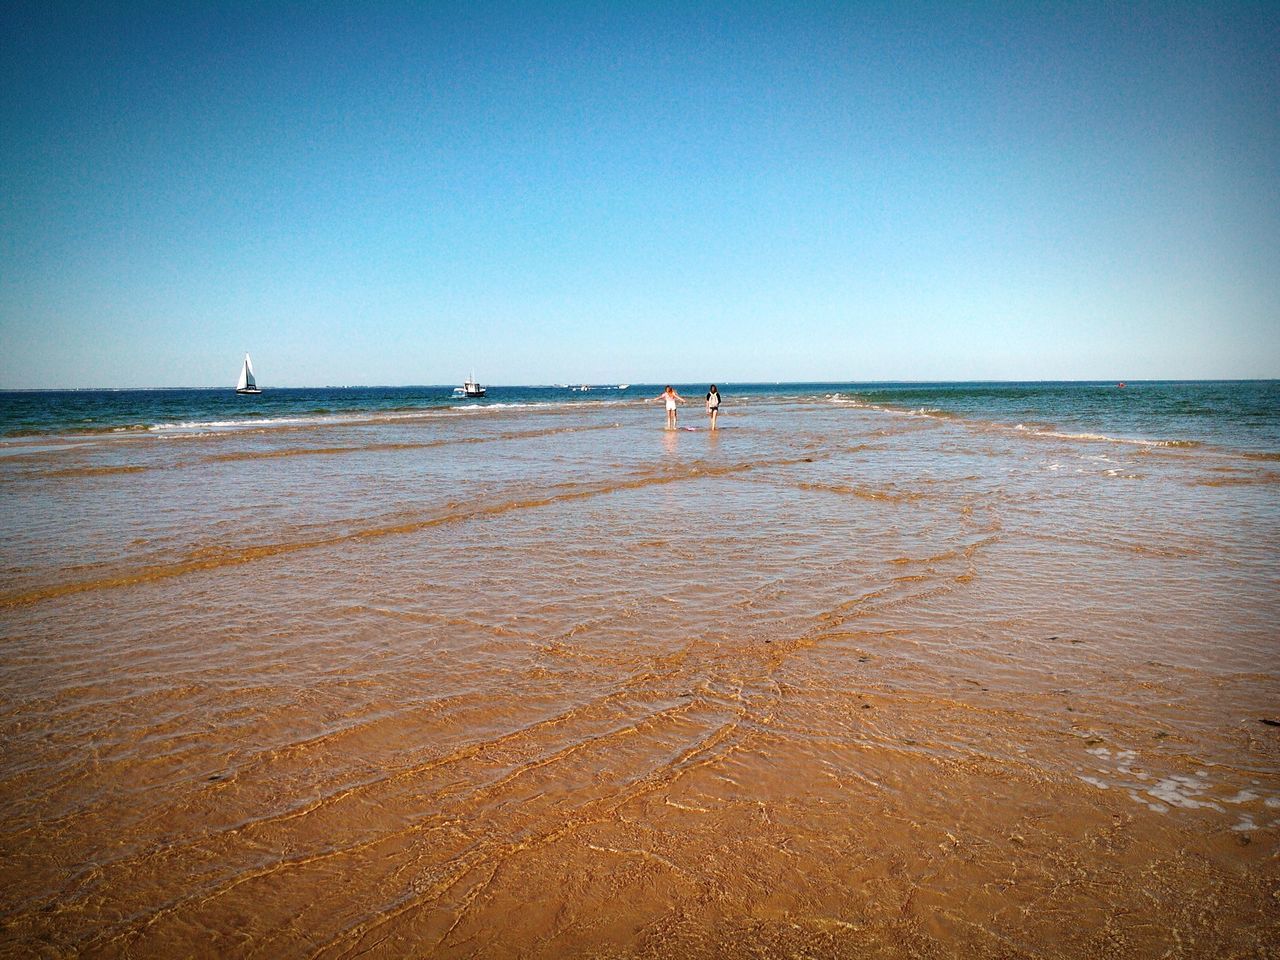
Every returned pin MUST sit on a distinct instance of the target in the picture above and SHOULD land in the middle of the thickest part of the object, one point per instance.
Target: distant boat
(246, 383)
(623, 386)
(470, 388)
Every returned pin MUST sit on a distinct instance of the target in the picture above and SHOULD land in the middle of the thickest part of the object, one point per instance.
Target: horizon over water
(978, 669)
(1229, 412)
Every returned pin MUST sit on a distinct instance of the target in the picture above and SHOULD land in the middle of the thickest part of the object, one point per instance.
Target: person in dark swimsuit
(713, 405)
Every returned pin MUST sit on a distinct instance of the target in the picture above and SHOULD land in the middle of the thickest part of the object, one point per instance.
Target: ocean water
(979, 670)
(1243, 415)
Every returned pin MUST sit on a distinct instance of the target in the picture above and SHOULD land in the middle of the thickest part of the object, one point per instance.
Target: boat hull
(249, 390)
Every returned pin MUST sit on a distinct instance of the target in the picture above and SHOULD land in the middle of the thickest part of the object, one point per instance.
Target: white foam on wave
(187, 427)
(366, 416)
(593, 404)
(543, 405)
(1100, 437)
(227, 424)
(1032, 429)
(856, 402)
(934, 413)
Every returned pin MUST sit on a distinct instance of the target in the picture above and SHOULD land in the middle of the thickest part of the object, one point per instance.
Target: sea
(1243, 415)
(872, 669)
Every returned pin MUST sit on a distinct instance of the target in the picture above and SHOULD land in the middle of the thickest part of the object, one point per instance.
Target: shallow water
(848, 677)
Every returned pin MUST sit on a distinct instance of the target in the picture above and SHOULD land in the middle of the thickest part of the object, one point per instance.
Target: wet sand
(835, 682)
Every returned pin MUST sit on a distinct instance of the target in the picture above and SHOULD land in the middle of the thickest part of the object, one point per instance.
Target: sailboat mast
(246, 383)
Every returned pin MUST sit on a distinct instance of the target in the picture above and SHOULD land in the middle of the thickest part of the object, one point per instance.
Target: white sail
(246, 383)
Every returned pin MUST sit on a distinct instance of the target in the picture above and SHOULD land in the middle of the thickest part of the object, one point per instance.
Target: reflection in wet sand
(877, 686)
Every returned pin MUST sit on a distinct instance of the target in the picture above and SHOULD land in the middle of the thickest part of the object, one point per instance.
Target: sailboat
(246, 383)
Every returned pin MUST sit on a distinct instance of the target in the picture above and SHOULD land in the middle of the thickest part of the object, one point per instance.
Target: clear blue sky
(383, 193)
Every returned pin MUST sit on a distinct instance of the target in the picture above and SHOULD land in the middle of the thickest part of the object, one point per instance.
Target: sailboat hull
(249, 390)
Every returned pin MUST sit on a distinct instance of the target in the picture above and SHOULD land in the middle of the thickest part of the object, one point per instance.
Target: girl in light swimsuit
(713, 404)
(672, 399)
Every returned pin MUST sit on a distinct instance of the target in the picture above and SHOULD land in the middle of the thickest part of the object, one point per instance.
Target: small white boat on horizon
(246, 383)
(469, 389)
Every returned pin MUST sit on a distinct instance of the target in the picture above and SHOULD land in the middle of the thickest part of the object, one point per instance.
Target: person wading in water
(713, 405)
(672, 399)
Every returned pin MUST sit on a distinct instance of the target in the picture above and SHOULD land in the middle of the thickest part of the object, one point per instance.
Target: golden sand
(561, 684)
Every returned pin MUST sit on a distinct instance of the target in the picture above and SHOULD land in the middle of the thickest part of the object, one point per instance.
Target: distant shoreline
(1105, 381)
